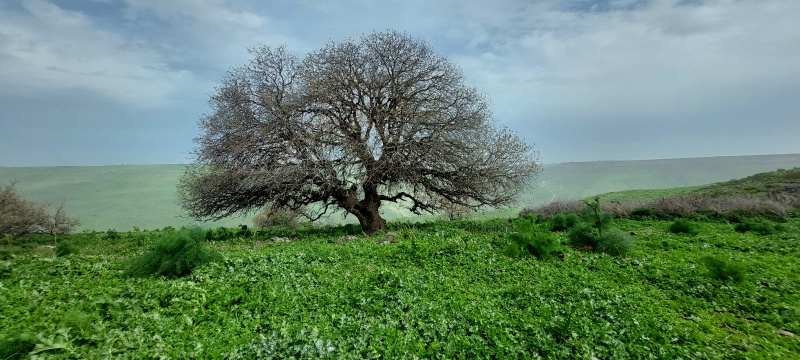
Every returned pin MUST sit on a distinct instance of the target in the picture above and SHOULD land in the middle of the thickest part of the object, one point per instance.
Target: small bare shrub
(527, 212)
(559, 207)
(19, 217)
(681, 206)
(453, 211)
(792, 174)
(276, 217)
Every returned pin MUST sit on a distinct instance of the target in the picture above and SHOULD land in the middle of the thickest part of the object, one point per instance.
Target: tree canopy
(347, 127)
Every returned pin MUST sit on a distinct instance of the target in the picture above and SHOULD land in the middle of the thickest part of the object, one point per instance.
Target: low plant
(760, 227)
(528, 241)
(65, 248)
(80, 324)
(17, 347)
(615, 242)
(541, 245)
(112, 234)
(642, 213)
(244, 232)
(722, 269)
(562, 222)
(219, 234)
(582, 236)
(683, 226)
(175, 254)
(598, 219)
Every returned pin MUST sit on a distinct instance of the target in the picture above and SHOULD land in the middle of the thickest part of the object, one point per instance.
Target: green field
(443, 290)
(121, 197)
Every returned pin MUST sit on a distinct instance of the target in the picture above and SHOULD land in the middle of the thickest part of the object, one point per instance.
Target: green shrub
(528, 241)
(722, 269)
(595, 217)
(16, 347)
(175, 254)
(542, 245)
(562, 222)
(683, 226)
(760, 227)
(219, 234)
(244, 232)
(582, 235)
(615, 242)
(65, 248)
(642, 213)
(112, 234)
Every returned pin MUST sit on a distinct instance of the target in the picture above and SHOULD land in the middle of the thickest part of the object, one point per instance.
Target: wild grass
(443, 289)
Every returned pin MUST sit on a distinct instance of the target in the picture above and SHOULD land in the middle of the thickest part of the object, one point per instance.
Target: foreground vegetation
(441, 289)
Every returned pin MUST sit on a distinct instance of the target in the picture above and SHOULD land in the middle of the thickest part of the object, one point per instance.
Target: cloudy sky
(99, 82)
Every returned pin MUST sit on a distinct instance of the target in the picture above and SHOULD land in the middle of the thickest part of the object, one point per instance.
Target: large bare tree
(354, 124)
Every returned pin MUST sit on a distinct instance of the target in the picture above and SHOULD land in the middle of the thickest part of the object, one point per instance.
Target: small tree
(596, 217)
(350, 126)
(61, 223)
(19, 217)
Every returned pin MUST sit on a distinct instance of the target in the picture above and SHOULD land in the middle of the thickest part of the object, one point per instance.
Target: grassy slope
(783, 180)
(442, 291)
(121, 197)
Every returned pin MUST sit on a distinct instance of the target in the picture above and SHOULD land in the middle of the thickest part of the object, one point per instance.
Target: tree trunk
(370, 219)
(367, 210)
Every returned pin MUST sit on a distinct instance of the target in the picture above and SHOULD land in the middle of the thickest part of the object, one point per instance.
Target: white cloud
(657, 55)
(562, 73)
(47, 47)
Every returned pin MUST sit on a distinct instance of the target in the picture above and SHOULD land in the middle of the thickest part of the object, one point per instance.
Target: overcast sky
(100, 82)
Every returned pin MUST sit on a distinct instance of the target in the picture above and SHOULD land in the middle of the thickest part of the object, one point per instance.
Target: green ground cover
(441, 290)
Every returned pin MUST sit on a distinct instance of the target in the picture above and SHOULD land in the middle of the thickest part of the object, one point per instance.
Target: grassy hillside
(773, 183)
(578, 180)
(121, 197)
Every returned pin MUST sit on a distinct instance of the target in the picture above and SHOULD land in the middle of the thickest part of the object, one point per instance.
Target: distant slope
(107, 197)
(123, 196)
(779, 183)
(581, 179)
